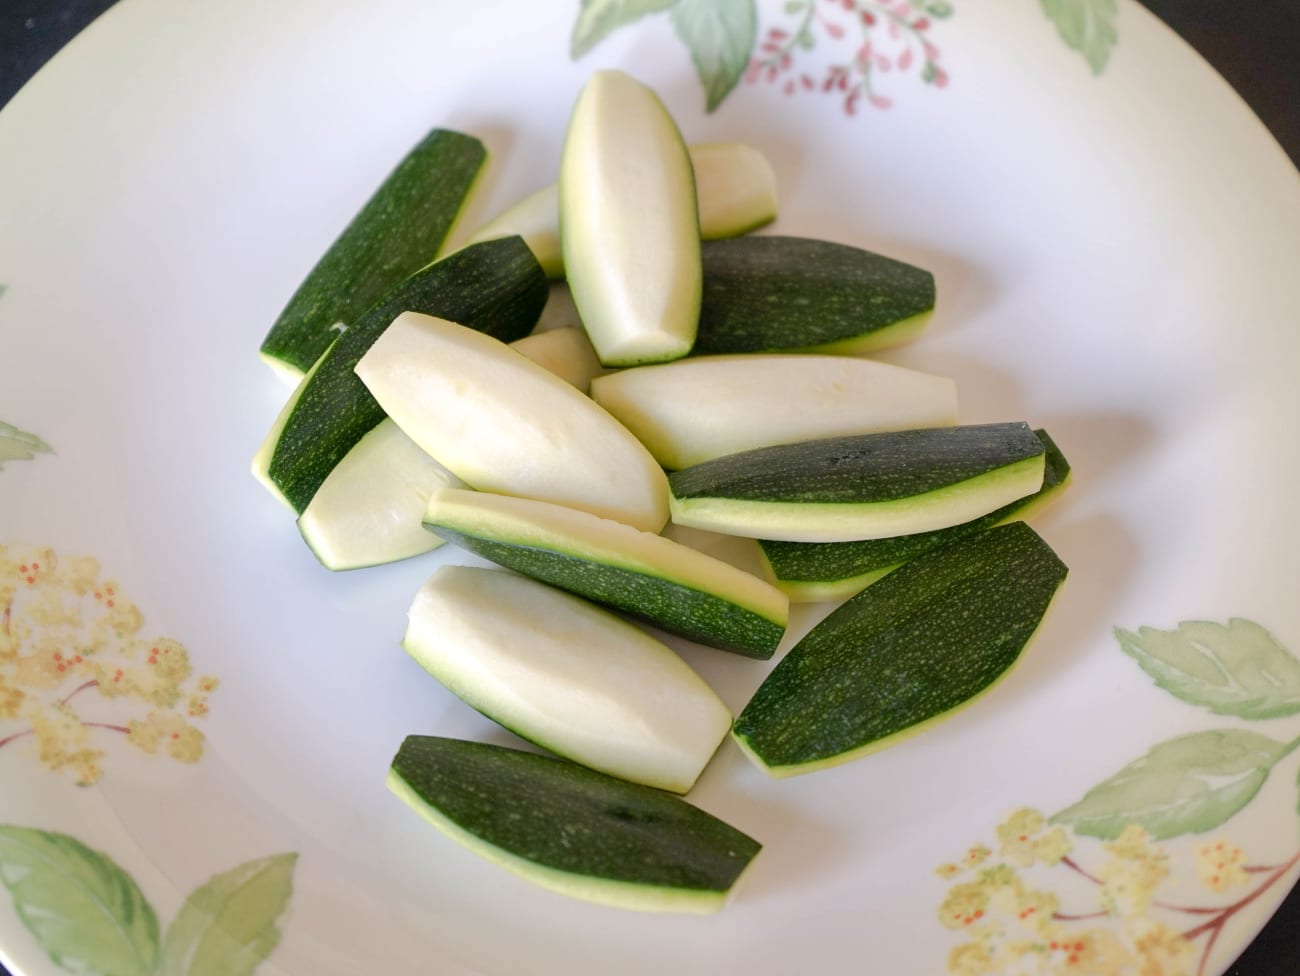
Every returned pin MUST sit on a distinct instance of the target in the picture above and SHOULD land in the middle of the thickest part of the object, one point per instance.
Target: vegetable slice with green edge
(500, 422)
(567, 675)
(672, 586)
(811, 571)
(705, 407)
(735, 192)
(496, 286)
(629, 227)
(767, 294)
(931, 637)
(572, 830)
(396, 233)
(866, 486)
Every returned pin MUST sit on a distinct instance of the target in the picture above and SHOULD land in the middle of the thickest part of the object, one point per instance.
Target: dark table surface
(1254, 45)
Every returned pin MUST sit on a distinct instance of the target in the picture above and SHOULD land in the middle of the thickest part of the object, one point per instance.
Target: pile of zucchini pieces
(714, 381)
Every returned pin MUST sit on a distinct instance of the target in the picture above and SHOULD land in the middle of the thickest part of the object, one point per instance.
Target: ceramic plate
(196, 718)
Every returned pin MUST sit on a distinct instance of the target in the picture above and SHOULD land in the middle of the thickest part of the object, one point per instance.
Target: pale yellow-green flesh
(288, 372)
(629, 226)
(535, 218)
(584, 536)
(566, 352)
(262, 459)
(899, 333)
(847, 522)
(602, 891)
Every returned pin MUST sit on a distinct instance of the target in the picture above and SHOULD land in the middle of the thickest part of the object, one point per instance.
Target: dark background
(1254, 44)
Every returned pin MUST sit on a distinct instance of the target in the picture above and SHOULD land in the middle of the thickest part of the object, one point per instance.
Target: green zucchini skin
(496, 287)
(398, 231)
(769, 293)
(837, 570)
(571, 829)
(691, 613)
(923, 641)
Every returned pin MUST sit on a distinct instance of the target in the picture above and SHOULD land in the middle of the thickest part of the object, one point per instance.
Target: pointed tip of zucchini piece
(284, 369)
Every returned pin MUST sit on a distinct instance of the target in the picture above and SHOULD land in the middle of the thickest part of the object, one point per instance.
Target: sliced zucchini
(672, 586)
(566, 675)
(629, 228)
(496, 286)
(396, 233)
(368, 510)
(811, 571)
(566, 352)
(266, 450)
(572, 830)
(502, 423)
(706, 407)
(863, 487)
(768, 294)
(929, 638)
(734, 186)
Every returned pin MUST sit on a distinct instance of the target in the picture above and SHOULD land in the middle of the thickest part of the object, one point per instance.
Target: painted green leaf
(1186, 785)
(18, 445)
(85, 911)
(599, 18)
(1087, 26)
(1234, 669)
(230, 924)
(720, 35)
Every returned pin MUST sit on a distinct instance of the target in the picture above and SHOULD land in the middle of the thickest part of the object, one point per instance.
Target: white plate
(1115, 256)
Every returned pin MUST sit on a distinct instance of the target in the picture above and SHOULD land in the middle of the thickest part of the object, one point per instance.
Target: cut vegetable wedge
(368, 510)
(706, 407)
(396, 233)
(735, 191)
(862, 487)
(502, 423)
(574, 831)
(663, 582)
(566, 352)
(810, 571)
(927, 639)
(767, 294)
(629, 228)
(566, 675)
(496, 286)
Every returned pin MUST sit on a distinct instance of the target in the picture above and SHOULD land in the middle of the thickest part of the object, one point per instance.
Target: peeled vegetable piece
(663, 582)
(929, 638)
(502, 423)
(735, 191)
(766, 294)
(629, 228)
(566, 352)
(867, 486)
(706, 407)
(811, 571)
(566, 675)
(574, 831)
(396, 233)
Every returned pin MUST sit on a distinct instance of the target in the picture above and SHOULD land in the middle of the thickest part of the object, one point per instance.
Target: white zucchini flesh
(735, 189)
(566, 675)
(369, 509)
(700, 408)
(629, 227)
(502, 423)
(566, 352)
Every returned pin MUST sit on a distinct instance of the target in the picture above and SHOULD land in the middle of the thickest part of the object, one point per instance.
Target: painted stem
(1215, 925)
(17, 735)
(92, 683)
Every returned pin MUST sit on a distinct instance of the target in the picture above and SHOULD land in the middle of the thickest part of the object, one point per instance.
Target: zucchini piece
(706, 407)
(496, 286)
(931, 637)
(567, 675)
(768, 294)
(502, 423)
(395, 234)
(811, 571)
(572, 830)
(629, 228)
(861, 487)
(262, 459)
(734, 186)
(566, 352)
(368, 510)
(674, 587)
